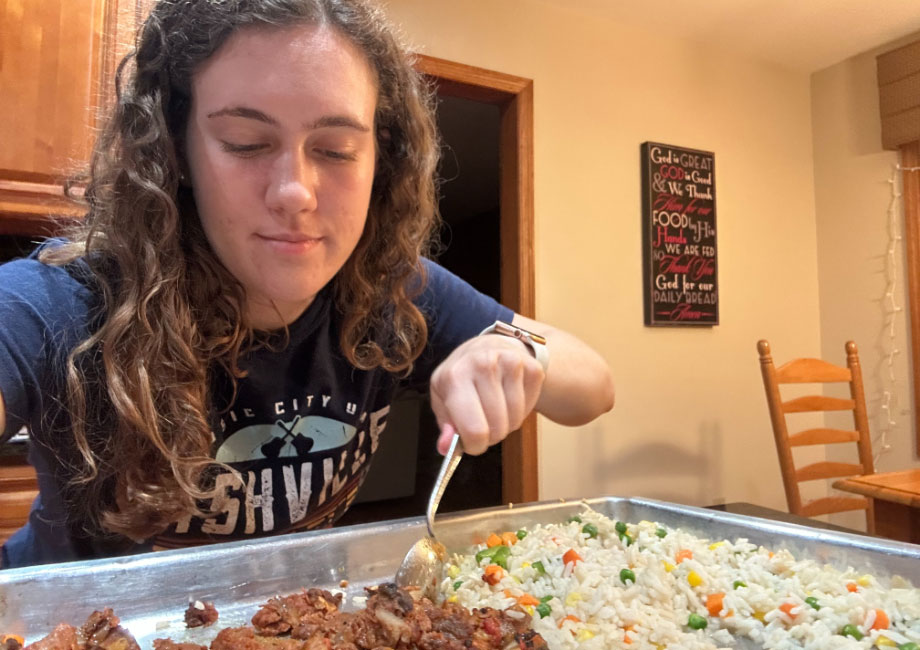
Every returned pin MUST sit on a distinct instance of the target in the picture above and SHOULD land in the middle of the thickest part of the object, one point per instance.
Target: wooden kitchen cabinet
(18, 488)
(57, 61)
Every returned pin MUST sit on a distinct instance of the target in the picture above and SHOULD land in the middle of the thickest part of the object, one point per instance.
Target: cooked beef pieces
(311, 620)
(200, 614)
(299, 615)
(391, 619)
(100, 632)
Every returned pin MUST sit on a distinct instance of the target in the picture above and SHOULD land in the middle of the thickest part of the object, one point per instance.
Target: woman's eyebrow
(242, 111)
(339, 120)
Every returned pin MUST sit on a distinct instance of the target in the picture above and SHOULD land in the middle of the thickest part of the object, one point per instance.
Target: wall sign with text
(679, 236)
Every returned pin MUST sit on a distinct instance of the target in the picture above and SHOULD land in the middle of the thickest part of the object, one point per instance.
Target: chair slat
(810, 403)
(830, 505)
(822, 437)
(822, 470)
(808, 371)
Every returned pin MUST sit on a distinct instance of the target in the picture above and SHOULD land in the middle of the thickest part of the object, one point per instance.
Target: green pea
(697, 622)
(738, 583)
(486, 553)
(457, 584)
(851, 630)
(539, 568)
(627, 574)
(910, 645)
(661, 532)
(625, 538)
(544, 610)
(620, 527)
(813, 603)
(590, 530)
(574, 518)
(521, 534)
(501, 556)
(546, 599)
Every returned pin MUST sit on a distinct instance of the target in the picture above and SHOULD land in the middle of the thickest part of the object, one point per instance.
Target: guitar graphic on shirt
(281, 439)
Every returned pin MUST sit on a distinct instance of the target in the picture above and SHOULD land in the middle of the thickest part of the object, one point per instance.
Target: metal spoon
(424, 563)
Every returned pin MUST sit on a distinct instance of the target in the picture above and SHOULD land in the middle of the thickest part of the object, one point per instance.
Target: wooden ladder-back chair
(809, 371)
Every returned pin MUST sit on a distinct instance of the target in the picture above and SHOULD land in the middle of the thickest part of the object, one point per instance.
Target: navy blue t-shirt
(300, 432)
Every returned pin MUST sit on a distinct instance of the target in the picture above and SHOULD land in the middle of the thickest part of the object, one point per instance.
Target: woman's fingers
(484, 396)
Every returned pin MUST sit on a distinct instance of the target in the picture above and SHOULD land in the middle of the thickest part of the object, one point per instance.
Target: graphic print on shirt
(294, 438)
(298, 471)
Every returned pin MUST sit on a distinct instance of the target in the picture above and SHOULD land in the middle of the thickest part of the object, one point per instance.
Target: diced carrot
(629, 628)
(787, 609)
(509, 539)
(526, 600)
(626, 639)
(570, 556)
(714, 603)
(683, 554)
(881, 621)
(852, 586)
(492, 574)
(493, 540)
(570, 617)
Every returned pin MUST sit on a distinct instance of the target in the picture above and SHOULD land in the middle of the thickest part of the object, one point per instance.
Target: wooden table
(897, 501)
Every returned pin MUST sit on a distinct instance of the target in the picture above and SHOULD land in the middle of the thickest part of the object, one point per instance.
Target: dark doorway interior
(406, 462)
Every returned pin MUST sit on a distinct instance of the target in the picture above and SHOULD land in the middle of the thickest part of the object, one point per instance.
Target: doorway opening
(486, 123)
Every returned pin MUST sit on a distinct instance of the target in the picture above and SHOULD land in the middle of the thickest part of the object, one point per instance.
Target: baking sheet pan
(150, 592)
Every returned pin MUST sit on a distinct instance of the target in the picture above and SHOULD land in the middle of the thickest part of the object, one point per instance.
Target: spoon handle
(448, 465)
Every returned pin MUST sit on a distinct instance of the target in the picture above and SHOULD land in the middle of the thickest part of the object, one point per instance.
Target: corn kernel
(759, 615)
(572, 598)
(525, 565)
(694, 579)
(715, 545)
(584, 635)
(453, 571)
(863, 581)
(528, 609)
(884, 641)
(452, 599)
(668, 567)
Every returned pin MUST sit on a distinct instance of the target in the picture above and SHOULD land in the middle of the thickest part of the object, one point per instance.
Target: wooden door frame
(910, 191)
(514, 98)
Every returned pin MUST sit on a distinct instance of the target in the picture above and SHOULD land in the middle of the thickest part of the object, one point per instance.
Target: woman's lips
(290, 244)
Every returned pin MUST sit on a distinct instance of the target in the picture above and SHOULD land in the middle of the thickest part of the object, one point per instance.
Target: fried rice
(592, 582)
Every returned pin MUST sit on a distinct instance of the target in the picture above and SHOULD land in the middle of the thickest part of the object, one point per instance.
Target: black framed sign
(679, 265)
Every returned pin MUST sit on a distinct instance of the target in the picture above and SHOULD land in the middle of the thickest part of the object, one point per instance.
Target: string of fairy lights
(892, 309)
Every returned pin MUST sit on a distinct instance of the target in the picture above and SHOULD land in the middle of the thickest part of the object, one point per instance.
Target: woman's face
(280, 147)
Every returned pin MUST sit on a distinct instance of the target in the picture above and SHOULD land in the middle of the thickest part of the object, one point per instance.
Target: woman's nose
(292, 187)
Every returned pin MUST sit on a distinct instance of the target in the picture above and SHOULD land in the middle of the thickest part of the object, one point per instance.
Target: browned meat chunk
(200, 614)
(169, 644)
(63, 637)
(303, 613)
(102, 630)
(245, 638)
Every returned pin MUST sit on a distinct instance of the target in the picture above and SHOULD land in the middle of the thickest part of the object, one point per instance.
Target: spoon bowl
(423, 566)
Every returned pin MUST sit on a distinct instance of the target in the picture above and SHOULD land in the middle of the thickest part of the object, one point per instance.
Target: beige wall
(852, 198)
(690, 423)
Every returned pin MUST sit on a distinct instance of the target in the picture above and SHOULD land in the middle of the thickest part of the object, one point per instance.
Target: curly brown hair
(173, 314)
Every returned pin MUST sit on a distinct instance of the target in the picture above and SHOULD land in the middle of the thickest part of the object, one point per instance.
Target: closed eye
(242, 148)
(337, 155)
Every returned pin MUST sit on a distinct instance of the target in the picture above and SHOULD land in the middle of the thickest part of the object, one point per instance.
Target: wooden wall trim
(514, 97)
(910, 158)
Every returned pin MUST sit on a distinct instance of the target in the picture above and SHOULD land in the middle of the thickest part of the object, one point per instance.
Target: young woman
(213, 352)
